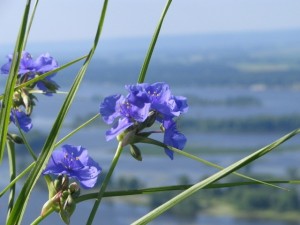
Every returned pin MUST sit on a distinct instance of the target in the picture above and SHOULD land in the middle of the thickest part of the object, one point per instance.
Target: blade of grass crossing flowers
(158, 143)
(12, 169)
(152, 44)
(11, 81)
(41, 77)
(20, 206)
(217, 176)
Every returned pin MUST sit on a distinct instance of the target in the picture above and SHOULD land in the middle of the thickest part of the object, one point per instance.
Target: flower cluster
(30, 68)
(145, 104)
(23, 98)
(74, 162)
(69, 162)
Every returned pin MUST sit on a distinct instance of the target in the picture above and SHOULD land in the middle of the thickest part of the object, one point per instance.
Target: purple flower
(173, 137)
(145, 104)
(44, 63)
(118, 107)
(160, 97)
(23, 120)
(74, 162)
(26, 64)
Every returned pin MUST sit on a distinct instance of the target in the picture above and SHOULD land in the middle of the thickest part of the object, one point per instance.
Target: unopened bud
(135, 152)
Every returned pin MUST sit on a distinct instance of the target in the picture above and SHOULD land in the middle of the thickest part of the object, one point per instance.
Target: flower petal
(55, 165)
(109, 108)
(24, 121)
(173, 137)
(118, 127)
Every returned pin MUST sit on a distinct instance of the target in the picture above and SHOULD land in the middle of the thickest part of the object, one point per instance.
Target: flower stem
(40, 218)
(77, 129)
(104, 184)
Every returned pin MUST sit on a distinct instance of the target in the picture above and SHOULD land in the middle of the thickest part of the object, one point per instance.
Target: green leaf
(22, 200)
(12, 169)
(143, 139)
(11, 81)
(152, 44)
(16, 179)
(217, 176)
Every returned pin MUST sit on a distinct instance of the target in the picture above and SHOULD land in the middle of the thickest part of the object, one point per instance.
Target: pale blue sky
(77, 19)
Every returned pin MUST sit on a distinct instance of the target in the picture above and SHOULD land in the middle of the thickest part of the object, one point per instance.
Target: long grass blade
(77, 129)
(11, 81)
(21, 203)
(186, 154)
(152, 44)
(12, 169)
(217, 176)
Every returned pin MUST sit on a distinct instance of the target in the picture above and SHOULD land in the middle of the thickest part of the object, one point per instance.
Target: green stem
(175, 188)
(41, 218)
(17, 178)
(12, 169)
(77, 129)
(152, 44)
(105, 183)
(28, 147)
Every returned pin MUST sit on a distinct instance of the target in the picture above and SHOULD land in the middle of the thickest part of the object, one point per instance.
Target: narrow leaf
(217, 176)
(152, 44)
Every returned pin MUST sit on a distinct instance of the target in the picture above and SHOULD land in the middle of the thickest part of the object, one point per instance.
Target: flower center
(71, 162)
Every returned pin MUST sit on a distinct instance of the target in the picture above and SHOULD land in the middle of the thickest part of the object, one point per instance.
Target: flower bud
(48, 205)
(135, 152)
(15, 138)
(74, 189)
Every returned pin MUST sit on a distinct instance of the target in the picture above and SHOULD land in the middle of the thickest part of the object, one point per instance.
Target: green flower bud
(74, 189)
(135, 152)
(15, 138)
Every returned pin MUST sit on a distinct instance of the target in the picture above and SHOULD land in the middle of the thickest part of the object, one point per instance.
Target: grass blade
(20, 206)
(12, 169)
(158, 143)
(16, 179)
(41, 77)
(11, 81)
(152, 44)
(217, 176)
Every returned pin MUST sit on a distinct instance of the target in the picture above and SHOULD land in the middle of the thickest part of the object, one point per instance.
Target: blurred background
(236, 61)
